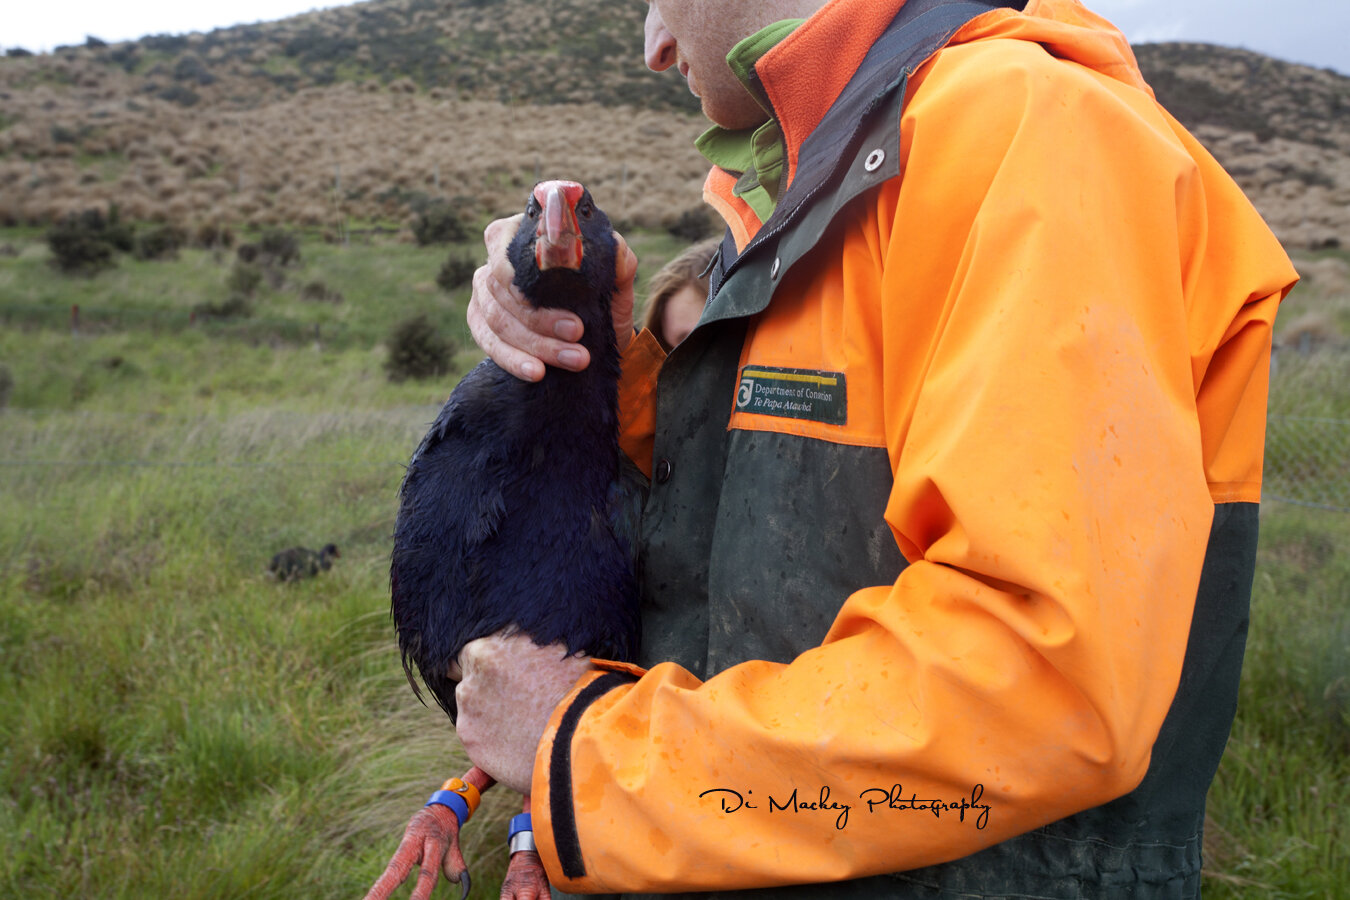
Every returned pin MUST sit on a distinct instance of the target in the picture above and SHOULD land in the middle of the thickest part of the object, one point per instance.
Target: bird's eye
(532, 208)
(584, 210)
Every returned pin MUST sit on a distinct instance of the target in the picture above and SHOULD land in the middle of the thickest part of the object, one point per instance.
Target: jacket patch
(793, 394)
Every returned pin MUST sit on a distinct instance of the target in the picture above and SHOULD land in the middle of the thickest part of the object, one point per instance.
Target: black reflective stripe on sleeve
(565, 837)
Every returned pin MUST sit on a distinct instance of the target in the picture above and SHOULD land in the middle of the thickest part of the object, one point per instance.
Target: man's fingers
(515, 335)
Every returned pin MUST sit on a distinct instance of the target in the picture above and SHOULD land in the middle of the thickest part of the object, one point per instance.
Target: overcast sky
(1316, 32)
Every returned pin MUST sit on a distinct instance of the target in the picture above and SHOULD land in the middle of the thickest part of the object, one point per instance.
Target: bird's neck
(584, 402)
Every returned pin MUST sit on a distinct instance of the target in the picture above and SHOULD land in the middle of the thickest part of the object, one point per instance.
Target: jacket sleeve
(1050, 493)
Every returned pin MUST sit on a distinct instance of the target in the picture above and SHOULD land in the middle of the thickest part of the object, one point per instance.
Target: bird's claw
(464, 885)
(525, 877)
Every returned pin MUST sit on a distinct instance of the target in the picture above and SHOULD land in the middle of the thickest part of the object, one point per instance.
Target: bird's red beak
(557, 242)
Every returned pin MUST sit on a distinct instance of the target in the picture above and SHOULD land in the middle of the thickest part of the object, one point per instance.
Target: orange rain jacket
(953, 509)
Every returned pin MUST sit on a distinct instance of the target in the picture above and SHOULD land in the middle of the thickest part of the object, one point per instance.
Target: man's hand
(428, 836)
(508, 688)
(522, 339)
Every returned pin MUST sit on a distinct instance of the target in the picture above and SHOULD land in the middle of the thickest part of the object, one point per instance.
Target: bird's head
(564, 239)
(557, 234)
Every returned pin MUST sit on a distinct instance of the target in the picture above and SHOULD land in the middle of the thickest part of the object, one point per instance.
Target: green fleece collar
(755, 155)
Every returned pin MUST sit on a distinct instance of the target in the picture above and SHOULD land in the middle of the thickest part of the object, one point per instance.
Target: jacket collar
(852, 147)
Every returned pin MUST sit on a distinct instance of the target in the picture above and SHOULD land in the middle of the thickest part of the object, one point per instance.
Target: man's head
(697, 35)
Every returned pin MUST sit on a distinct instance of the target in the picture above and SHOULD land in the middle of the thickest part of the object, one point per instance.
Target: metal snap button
(874, 160)
(777, 264)
(662, 471)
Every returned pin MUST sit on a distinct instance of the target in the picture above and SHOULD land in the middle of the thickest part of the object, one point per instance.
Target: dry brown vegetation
(371, 111)
(323, 155)
(1282, 130)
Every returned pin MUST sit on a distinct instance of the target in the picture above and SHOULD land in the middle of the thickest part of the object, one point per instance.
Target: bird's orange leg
(525, 875)
(430, 844)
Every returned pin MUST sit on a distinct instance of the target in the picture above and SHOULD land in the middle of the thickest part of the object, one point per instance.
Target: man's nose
(658, 42)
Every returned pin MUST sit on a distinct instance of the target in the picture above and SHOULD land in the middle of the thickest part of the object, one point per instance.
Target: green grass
(1280, 820)
(177, 724)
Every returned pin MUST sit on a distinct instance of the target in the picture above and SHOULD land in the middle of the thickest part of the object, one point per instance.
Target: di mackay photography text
(871, 801)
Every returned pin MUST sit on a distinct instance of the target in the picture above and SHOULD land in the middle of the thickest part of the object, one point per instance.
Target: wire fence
(1308, 462)
(1307, 457)
(1307, 470)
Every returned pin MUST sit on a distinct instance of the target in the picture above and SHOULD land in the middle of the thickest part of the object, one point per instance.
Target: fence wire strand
(1308, 462)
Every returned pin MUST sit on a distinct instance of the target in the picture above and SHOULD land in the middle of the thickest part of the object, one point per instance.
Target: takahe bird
(295, 563)
(518, 510)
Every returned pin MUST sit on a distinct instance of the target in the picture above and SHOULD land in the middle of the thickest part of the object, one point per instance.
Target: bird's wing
(458, 454)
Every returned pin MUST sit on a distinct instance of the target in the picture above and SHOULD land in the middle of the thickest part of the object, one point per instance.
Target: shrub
(235, 306)
(191, 68)
(6, 386)
(80, 244)
(177, 93)
(210, 235)
(125, 56)
(63, 135)
(439, 223)
(244, 279)
(693, 225)
(317, 290)
(159, 242)
(118, 233)
(417, 350)
(457, 270)
(278, 247)
(165, 43)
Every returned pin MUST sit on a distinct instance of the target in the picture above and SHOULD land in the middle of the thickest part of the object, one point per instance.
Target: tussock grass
(178, 723)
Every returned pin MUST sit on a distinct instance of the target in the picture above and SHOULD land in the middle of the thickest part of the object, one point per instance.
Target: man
(953, 510)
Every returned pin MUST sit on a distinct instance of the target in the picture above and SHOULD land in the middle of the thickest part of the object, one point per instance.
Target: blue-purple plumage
(518, 508)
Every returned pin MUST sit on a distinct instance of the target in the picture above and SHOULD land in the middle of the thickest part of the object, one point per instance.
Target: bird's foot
(525, 877)
(430, 843)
